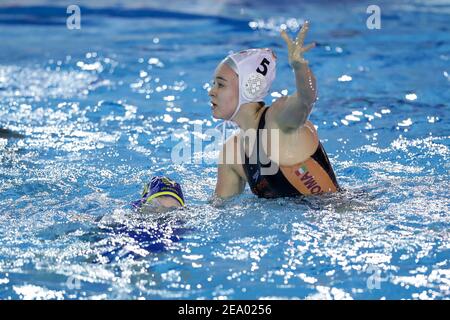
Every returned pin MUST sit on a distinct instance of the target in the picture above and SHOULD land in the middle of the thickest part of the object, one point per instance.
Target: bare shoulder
(275, 108)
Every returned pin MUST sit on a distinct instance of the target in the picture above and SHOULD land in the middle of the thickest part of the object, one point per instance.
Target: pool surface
(101, 108)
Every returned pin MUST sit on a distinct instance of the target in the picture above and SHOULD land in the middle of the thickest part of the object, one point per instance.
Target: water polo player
(241, 81)
(160, 194)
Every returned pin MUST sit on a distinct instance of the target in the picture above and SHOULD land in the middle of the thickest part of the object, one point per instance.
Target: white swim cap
(256, 69)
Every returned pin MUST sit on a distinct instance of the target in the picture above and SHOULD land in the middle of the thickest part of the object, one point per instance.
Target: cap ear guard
(254, 85)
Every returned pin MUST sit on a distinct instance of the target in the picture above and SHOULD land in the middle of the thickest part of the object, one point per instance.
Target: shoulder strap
(262, 120)
(261, 125)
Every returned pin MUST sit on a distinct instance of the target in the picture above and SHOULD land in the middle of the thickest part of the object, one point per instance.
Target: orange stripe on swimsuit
(308, 177)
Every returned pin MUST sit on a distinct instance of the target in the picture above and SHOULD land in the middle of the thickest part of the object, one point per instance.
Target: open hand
(296, 49)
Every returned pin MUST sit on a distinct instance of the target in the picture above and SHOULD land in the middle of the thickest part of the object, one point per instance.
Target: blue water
(99, 107)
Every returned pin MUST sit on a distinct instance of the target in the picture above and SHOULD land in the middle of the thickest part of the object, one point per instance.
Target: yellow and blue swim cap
(157, 187)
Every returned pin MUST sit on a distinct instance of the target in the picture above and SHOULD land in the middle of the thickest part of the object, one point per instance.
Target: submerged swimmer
(241, 81)
(160, 194)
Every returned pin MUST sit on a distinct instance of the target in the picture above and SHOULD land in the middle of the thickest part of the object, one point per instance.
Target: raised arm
(294, 112)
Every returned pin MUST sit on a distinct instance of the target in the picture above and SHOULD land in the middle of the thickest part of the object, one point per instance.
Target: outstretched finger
(302, 34)
(308, 47)
(286, 38)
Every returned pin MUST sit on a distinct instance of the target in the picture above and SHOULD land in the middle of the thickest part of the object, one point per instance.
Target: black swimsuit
(276, 185)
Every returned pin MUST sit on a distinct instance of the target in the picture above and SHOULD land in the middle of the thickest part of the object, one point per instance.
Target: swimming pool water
(99, 109)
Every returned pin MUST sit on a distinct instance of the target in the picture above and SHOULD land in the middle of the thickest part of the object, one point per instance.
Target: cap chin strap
(235, 113)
